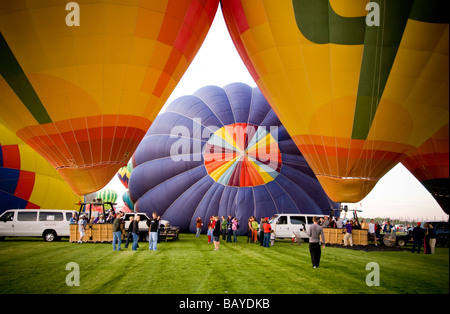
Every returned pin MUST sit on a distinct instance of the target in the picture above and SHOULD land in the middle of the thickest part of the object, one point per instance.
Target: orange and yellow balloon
(84, 96)
(358, 84)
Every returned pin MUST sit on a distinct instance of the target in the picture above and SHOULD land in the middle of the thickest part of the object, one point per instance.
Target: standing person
(314, 233)
(267, 229)
(326, 222)
(388, 228)
(224, 228)
(135, 233)
(261, 231)
(426, 240)
(272, 238)
(82, 227)
(348, 233)
(364, 224)
(234, 227)
(372, 234)
(417, 235)
(229, 228)
(209, 232)
(216, 233)
(129, 232)
(199, 226)
(117, 233)
(249, 230)
(338, 223)
(432, 233)
(255, 227)
(153, 231)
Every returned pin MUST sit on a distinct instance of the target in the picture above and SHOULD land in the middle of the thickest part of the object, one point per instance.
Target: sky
(397, 195)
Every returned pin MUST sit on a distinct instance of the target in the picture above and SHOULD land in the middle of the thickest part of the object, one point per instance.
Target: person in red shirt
(199, 226)
(267, 228)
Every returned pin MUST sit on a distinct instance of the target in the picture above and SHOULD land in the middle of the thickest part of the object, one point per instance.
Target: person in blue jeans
(135, 233)
(117, 232)
(153, 231)
(267, 229)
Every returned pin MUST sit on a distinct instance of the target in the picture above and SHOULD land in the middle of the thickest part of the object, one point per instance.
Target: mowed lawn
(191, 266)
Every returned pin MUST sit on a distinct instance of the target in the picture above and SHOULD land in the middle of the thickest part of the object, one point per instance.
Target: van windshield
(8, 216)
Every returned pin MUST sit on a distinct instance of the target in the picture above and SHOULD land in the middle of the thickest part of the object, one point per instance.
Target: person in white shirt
(372, 232)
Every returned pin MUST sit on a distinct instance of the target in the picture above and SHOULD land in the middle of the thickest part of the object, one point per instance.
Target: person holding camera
(314, 233)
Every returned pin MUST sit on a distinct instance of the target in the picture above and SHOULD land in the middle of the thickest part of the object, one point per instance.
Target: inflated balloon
(430, 165)
(84, 96)
(222, 151)
(107, 195)
(27, 180)
(127, 200)
(124, 173)
(357, 84)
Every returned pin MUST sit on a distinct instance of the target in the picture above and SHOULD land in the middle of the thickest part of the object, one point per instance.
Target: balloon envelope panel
(222, 151)
(430, 165)
(84, 96)
(355, 97)
(27, 180)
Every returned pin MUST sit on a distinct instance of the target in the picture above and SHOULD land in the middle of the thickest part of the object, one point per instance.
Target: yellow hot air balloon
(84, 96)
(357, 85)
(27, 180)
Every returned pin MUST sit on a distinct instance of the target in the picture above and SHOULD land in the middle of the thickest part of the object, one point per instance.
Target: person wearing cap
(417, 235)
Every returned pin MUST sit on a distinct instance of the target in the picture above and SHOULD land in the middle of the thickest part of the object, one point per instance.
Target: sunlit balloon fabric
(222, 151)
(84, 96)
(242, 154)
(27, 180)
(430, 165)
(355, 98)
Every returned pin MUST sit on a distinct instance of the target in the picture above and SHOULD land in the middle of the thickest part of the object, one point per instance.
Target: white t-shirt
(371, 227)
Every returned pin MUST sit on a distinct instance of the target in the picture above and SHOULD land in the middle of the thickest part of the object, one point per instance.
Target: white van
(285, 224)
(51, 224)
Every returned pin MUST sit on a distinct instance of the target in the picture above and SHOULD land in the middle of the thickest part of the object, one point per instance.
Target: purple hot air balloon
(222, 151)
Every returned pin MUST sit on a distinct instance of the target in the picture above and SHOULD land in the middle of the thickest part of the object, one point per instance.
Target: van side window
(310, 220)
(297, 220)
(282, 220)
(26, 216)
(68, 216)
(51, 216)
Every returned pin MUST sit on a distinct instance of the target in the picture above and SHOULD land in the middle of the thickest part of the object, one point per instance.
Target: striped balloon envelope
(430, 165)
(84, 95)
(242, 154)
(358, 84)
(28, 181)
(222, 151)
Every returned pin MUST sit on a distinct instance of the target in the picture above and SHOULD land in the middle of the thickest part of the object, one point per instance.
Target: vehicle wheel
(49, 236)
(401, 242)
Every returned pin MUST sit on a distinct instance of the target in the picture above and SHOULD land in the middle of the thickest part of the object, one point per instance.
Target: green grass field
(191, 266)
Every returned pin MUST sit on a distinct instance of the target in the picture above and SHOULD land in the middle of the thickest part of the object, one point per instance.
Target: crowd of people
(227, 228)
(115, 218)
